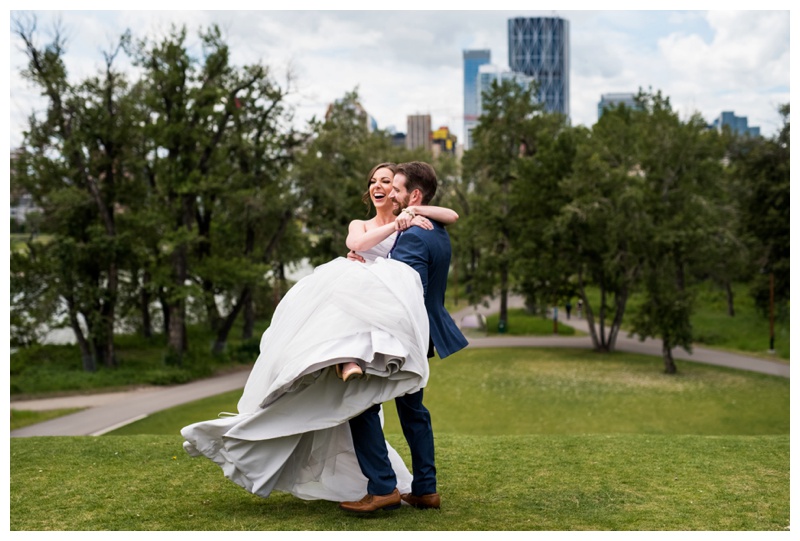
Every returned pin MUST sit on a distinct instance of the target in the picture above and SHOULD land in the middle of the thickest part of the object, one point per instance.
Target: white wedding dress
(291, 433)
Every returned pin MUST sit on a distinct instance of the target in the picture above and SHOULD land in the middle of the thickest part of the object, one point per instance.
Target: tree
(762, 169)
(542, 255)
(504, 135)
(216, 135)
(604, 220)
(681, 163)
(75, 167)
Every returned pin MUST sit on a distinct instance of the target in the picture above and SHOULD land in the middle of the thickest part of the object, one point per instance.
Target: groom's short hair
(419, 176)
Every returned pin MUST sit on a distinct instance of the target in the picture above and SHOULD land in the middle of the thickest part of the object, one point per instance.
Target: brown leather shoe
(428, 501)
(372, 502)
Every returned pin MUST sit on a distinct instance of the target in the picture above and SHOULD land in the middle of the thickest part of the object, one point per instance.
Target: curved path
(108, 411)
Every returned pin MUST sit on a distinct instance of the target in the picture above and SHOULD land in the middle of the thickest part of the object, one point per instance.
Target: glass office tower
(539, 47)
(473, 60)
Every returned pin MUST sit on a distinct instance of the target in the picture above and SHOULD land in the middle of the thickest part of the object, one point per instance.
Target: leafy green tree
(762, 168)
(681, 164)
(75, 167)
(543, 257)
(215, 152)
(505, 133)
(604, 220)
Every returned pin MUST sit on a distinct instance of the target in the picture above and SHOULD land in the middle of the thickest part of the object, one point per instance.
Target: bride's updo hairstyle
(366, 198)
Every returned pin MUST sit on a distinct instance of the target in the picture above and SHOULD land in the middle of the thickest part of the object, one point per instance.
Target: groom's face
(399, 195)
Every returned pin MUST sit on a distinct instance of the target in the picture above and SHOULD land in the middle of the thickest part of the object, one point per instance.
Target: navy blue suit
(428, 252)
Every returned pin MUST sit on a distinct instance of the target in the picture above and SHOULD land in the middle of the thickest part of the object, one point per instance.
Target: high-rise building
(737, 124)
(369, 121)
(539, 47)
(444, 141)
(418, 134)
(473, 60)
(615, 99)
(490, 73)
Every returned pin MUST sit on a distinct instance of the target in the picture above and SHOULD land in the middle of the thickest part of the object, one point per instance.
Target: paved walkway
(649, 346)
(108, 411)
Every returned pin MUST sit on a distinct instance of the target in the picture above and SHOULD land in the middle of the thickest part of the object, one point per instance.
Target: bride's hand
(352, 256)
(403, 221)
(422, 221)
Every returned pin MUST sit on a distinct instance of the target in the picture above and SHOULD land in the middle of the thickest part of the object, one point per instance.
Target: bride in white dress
(291, 432)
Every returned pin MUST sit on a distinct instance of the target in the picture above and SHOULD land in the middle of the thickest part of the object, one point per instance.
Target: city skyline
(411, 62)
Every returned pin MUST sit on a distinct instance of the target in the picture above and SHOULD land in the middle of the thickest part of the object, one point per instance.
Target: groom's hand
(352, 256)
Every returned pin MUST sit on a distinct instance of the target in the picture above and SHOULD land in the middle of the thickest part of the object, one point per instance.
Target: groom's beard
(400, 205)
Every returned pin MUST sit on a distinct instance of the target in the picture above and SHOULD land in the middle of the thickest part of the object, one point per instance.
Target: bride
(346, 337)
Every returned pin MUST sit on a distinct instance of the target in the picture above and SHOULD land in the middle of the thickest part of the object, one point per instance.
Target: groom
(428, 252)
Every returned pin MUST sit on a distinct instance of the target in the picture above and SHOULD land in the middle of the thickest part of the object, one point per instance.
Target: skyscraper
(737, 124)
(419, 132)
(539, 47)
(614, 100)
(473, 60)
(489, 73)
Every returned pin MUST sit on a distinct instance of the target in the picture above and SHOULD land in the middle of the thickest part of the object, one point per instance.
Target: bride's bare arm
(440, 214)
(360, 239)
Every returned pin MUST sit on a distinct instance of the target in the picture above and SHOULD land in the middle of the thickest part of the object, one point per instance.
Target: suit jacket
(428, 252)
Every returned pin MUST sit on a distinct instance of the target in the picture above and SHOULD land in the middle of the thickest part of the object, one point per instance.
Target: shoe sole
(386, 508)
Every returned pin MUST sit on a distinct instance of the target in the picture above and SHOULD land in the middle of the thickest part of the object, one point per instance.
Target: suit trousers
(370, 446)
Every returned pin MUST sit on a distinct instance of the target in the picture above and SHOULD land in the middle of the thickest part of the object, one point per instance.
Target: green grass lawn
(487, 483)
(521, 323)
(21, 418)
(564, 391)
(526, 439)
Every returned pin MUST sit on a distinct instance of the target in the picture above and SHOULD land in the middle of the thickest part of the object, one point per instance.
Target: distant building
(22, 202)
(418, 134)
(539, 47)
(23, 206)
(473, 59)
(370, 122)
(614, 100)
(399, 139)
(737, 124)
(490, 73)
(444, 142)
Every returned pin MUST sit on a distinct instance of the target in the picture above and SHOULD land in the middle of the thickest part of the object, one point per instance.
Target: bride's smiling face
(380, 185)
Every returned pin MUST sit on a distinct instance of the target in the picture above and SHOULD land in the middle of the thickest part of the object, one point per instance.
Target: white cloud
(406, 62)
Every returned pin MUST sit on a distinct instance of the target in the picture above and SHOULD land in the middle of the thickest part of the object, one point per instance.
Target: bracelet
(409, 212)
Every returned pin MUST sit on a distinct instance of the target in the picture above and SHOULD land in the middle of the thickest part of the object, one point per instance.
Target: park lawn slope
(516, 482)
(519, 391)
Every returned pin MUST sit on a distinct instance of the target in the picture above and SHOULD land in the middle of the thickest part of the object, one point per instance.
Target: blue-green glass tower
(539, 47)
(473, 60)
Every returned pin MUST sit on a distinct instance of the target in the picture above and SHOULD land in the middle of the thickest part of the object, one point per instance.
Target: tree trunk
(109, 315)
(249, 316)
(165, 311)
(603, 340)
(144, 305)
(87, 359)
(212, 310)
(669, 363)
(729, 291)
(176, 336)
(177, 342)
(588, 312)
(227, 323)
(504, 297)
(622, 300)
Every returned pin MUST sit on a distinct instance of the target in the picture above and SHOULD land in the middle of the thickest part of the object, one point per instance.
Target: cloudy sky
(410, 62)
